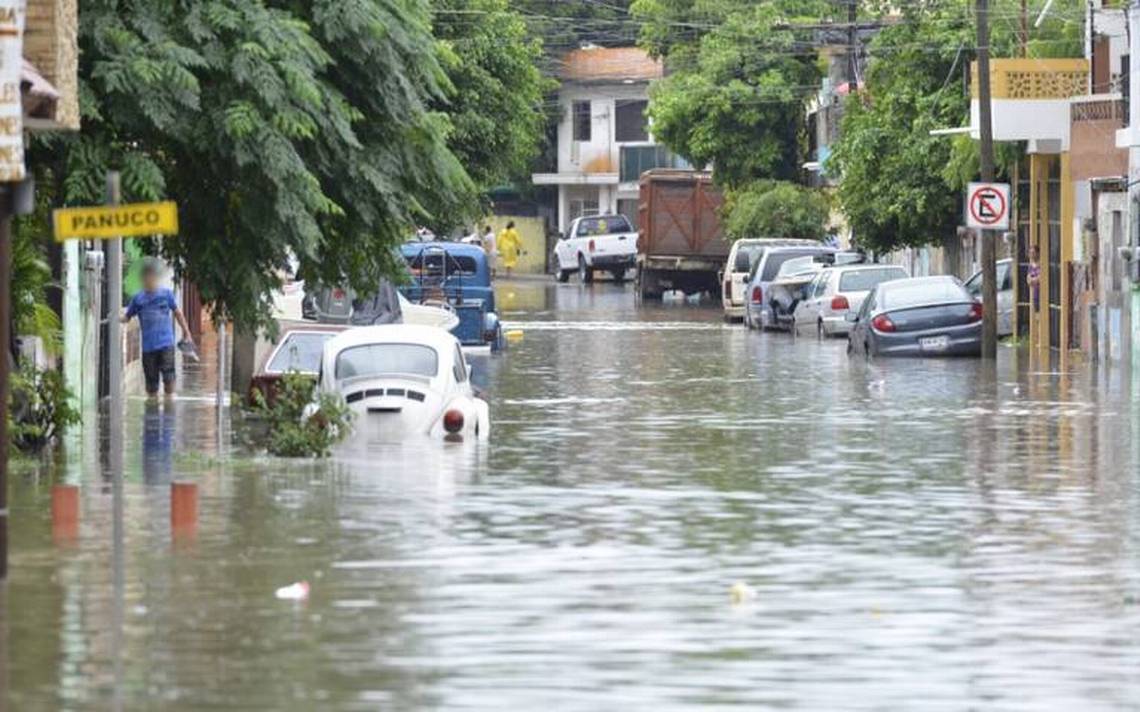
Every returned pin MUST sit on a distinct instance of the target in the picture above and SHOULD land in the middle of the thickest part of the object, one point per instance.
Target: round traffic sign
(988, 206)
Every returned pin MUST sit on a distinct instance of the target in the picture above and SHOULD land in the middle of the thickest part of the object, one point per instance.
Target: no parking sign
(987, 206)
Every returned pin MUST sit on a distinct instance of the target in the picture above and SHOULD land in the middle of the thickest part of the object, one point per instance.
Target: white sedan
(402, 381)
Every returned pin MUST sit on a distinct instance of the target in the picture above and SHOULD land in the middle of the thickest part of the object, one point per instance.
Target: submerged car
(922, 316)
(758, 313)
(839, 291)
(791, 286)
(385, 306)
(1004, 295)
(734, 277)
(456, 277)
(404, 381)
(298, 349)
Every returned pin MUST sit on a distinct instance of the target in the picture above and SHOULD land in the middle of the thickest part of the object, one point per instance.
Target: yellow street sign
(101, 223)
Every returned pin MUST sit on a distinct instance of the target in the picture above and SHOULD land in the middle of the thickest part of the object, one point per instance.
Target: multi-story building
(604, 137)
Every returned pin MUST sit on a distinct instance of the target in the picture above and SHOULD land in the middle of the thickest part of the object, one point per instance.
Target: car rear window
(776, 260)
(746, 256)
(603, 225)
(387, 360)
(902, 295)
(299, 352)
(865, 280)
(431, 264)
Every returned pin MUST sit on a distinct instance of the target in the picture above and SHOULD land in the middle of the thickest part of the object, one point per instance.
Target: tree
(495, 105)
(776, 209)
(739, 73)
(281, 128)
(900, 186)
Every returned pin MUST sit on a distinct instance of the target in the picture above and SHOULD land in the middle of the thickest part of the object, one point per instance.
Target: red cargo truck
(681, 244)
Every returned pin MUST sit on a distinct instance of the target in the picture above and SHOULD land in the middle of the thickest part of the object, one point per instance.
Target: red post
(65, 513)
(184, 507)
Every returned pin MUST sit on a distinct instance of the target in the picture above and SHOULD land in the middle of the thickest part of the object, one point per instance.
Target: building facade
(604, 138)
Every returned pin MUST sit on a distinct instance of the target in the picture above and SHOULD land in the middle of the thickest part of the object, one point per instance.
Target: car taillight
(882, 323)
(757, 295)
(976, 312)
(840, 303)
(593, 246)
(453, 421)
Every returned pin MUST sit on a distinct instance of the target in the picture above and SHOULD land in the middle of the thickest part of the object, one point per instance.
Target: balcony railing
(1035, 78)
(635, 160)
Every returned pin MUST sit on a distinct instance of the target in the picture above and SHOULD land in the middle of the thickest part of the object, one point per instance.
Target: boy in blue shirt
(156, 309)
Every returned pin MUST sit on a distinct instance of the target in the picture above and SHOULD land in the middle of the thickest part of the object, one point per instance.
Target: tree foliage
(281, 128)
(900, 186)
(776, 209)
(738, 75)
(495, 105)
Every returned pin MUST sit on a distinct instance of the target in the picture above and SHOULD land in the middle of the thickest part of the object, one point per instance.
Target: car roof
(931, 279)
(776, 241)
(796, 247)
(413, 249)
(442, 341)
(858, 267)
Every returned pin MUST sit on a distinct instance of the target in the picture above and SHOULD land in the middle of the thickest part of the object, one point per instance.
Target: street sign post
(111, 222)
(987, 206)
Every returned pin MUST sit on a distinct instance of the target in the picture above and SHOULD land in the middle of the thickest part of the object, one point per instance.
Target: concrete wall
(602, 153)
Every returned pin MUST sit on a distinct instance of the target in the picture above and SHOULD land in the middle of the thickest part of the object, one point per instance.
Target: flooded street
(909, 535)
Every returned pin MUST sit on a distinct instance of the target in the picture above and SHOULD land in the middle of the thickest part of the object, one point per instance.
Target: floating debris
(294, 592)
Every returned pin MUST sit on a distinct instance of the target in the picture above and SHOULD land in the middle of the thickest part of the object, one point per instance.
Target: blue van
(455, 276)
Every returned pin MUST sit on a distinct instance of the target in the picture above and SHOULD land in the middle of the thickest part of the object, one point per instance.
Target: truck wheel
(585, 272)
(564, 275)
(647, 286)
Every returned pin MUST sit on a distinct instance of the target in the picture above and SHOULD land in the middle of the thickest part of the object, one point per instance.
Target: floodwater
(908, 535)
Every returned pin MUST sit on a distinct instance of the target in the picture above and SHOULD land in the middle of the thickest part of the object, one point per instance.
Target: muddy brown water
(912, 535)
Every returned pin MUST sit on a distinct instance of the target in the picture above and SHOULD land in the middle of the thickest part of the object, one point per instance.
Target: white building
(604, 144)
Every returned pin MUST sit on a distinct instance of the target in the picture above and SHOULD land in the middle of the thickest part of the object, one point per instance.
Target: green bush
(40, 408)
(299, 424)
(776, 209)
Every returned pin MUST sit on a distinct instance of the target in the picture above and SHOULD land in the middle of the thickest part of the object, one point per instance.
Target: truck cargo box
(681, 243)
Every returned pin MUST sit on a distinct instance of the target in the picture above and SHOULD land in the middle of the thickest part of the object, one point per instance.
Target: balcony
(635, 160)
(1031, 99)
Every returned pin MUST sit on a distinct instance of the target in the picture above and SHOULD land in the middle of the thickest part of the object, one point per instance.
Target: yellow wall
(533, 234)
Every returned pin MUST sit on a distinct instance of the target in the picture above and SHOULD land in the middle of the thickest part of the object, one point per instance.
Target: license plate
(934, 343)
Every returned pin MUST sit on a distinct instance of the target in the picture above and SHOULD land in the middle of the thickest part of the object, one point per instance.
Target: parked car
(839, 291)
(791, 286)
(455, 277)
(404, 381)
(758, 313)
(298, 350)
(921, 316)
(599, 242)
(1005, 295)
(734, 277)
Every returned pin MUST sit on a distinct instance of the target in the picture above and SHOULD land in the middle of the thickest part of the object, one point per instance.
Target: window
(603, 226)
(459, 370)
(864, 280)
(432, 263)
(582, 120)
(746, 256)
(631, 122)
(821, 283)
(912, 293)
(583, 206)
(635, 160)
(387, 360)
(299, 351)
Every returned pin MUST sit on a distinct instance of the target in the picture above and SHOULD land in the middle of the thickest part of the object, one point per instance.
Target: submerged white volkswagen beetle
(404, 380)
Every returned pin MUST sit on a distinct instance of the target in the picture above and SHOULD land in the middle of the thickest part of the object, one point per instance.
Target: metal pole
(221, 387)
(989, 249)
(1023, 31)
(5, 361)
(115, 337)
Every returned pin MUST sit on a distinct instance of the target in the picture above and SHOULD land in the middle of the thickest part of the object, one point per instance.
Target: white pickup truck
(598, 242)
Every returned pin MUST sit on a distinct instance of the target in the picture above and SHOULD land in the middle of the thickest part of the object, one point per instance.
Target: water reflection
(932, 531)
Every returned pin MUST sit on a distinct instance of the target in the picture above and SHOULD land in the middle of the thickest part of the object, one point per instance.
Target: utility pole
(989, 249)
(5, 361)
(852, 44)
(114, 249)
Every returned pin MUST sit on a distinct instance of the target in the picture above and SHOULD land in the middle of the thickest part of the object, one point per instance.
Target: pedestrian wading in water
(156, 310)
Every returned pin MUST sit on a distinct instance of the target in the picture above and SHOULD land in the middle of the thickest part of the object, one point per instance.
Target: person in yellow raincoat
(509, 245)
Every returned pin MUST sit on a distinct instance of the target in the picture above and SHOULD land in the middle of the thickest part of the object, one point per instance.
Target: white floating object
(294, 592)
(741, 592)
